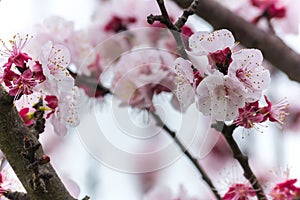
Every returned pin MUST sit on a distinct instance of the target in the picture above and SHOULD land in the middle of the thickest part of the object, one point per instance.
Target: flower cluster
(286, 190)
(239, 191)
(221, 79)
(44, 76)
(252, 113)
(142, 74)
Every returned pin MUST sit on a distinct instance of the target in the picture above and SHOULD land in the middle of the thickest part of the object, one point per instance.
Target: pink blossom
(140, 75)
(271, 8)
(217, 46)
(24, 84)
(26, 116)
(282, 14)
(246, 68)
(112, 17)
(61, 32)
(54, 60)
(286, 190)
(249, 115)
(19, 84)
(52, 103)
(276, 112)
(118, 24)
(38, 71)
(61, 94)
(252, 113)
(239, 191)
(220, 96)
(15, 54)
(64, 110)
(186, 81)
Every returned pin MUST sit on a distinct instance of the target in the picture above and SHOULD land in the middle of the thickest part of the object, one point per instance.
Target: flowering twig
(273, 48)
(227, 131)
(12, 133)
(176, 27)
(195, 162)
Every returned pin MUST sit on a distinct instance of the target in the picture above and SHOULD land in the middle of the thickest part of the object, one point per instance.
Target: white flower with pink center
(217, 46)
(220, 96)
(54, 60)
(65, 113)
(185, 83)
(246, 68)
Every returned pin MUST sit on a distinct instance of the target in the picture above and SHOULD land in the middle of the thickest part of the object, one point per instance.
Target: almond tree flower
(286, 190)
(217, 46)
(239, 191)
(186, 81)
(8, 76)
(54, 29)
(276, 112)
(54, 60)
(249, 115)
(220, 96)
(271, 8)
(52, 103)
(64, 110)
(252, 113)
(15, 54)
(19, 84)
(26, 116)
(62, 32)
(246, 68)
(38, 71)
(23, 84)
(140, 75)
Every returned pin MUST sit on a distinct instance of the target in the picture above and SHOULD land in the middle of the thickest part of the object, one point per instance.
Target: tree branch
(227, 132)
(273, 48)
(195, 162)
(12, 134)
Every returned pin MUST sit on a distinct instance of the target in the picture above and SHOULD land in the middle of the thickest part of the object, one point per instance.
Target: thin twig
(176, 31)
(227, 132)
(185, 15)
(195, 162)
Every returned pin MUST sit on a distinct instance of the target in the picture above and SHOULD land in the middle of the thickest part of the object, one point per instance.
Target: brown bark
(12, 134)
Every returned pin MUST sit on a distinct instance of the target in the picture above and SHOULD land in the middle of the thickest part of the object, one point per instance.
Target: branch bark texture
(272, 47)
(227, 131)
(12, 134)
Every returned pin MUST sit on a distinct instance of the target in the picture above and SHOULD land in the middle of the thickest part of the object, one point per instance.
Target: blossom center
(118, 24)
(221, 59)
